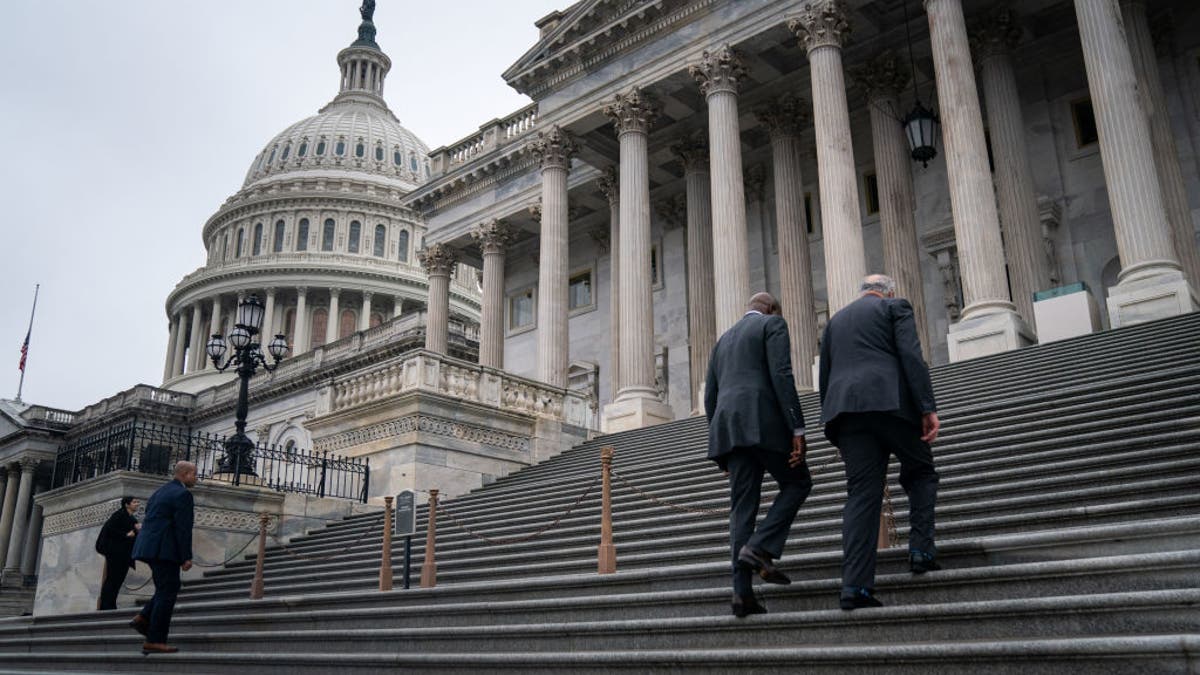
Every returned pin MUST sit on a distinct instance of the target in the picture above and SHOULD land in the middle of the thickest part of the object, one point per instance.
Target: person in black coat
(165, 543)
(755, 425)
(115, 543)
(877, 400)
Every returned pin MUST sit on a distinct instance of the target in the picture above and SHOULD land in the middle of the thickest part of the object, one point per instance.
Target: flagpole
(28, 333)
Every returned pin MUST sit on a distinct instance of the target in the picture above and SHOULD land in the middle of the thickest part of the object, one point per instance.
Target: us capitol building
(455, 314)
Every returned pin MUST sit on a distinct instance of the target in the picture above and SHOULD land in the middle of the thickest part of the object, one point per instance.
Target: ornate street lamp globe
(215, 347)
(278, 347)
(239, 337)
(250, 314)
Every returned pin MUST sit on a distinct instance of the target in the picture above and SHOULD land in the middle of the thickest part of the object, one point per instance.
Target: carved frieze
(424, 423)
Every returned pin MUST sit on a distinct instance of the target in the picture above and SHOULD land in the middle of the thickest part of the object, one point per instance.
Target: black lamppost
(247, 356)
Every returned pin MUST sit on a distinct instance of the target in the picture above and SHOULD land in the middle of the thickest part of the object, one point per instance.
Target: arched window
(327, 235)
(340, 148)
(397, 158)
(278, 243)
(378, 153)
(289, 448)
(303, 150)
(321, 147)
(428, 173)
(355, 236)
(320, 321)
(256, 247)
(289, 326)
(271, 160)
(380, 236)
(412, 161)
(241, 236)
(403, 246)
(360, 150)
(348, 323)
(287, 150)
(302, 235)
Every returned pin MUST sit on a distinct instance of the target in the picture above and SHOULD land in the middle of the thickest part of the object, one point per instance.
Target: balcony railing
(491, 136)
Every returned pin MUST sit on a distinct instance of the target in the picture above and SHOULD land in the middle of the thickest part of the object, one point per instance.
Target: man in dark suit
(165, 543)
(754, 426)
(115, 543)
(876, 400)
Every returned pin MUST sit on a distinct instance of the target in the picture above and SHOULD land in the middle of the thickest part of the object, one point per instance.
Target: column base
(988, 334)
(11, 577)
(634, 413)
(1147, 299)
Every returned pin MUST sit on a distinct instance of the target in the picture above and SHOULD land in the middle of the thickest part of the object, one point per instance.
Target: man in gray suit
(754, 426)
(876, 400)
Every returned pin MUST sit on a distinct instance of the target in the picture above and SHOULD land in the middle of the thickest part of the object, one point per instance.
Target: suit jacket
(114, 541)
(871, 362)
(749, 393)
(167, 531)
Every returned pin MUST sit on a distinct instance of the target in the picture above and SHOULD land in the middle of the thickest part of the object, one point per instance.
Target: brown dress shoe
(140, 624)
(158, 648)
(755, 561)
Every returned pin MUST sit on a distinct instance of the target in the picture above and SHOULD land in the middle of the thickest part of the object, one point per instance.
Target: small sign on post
(406, 514)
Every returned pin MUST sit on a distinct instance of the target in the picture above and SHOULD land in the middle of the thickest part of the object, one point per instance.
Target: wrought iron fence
(154, 449)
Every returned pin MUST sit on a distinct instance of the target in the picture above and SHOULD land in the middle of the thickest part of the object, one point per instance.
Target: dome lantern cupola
(363, 65)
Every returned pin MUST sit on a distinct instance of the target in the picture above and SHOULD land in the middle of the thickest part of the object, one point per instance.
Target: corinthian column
(333, 323)
(302, 322)
(364, 317)
(437, 260)
(1166, 156)
(493, 237)
(169, 366)
(268, 330)
(177, 363)
(702, 327)
(989, 320)
(9, 509)
(611, 188)
(636, 404)
(882, 79)
(555, 148)
(1150, 284)
(822, 28)
(718, 74)
(196, 344)
(784, 120)
(1028, 272)
(16, 542)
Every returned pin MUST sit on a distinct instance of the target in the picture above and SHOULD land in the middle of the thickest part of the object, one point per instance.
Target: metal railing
(153, 449)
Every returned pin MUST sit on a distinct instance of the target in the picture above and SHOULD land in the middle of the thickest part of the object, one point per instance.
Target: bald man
(876, 401)
(755, 426)
(165, 543)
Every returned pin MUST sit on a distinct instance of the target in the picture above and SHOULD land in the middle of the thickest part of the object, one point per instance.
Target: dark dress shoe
(863, 598)
(743, 606)
(140, 624)
(158, 648)
(920, 562)
(750, 559)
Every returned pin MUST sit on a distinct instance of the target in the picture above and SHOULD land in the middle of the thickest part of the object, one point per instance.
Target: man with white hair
(877, 400)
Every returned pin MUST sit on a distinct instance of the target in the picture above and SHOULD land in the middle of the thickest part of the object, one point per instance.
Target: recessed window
(379, 153)
(380, 239)
(808, 212)
(318, 326)
(271, 159)
(303, 150)
(521, 310)
(320, 148)
(347, 323)
(327, 235)
(1084, 118)
(580, 294)
(403, 246)
(360, 150)
(302, 235)
(277, 245)
(397, 158)
(871, 193)
(412, 161)
(355, 235)
(257, 245)
(287, 150)
(427, 172)
(340, 148)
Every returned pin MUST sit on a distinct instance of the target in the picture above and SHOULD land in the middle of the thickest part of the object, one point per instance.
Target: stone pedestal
(1065, 312)
(987, 334)
(1147, 299)
(634, 414)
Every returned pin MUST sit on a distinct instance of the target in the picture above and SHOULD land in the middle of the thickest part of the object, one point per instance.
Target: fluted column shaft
(1166, 155)
(333, 321)
(702, 325)
(555, 149)
(172, 337)
(822, 28)
(718, 75)
(302, 322)
(214, 326)
(611, 188)
(268, 330)
(196, 344)
(16, 542)
(972, 198)
(1028, 270)
(9, 510)
(177, 363)
(364, 317)
(492, 238)
(438, 260)
(33, 535)
(397, 306)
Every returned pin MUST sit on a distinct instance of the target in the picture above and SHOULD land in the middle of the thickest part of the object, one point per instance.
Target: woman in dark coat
(116, 545)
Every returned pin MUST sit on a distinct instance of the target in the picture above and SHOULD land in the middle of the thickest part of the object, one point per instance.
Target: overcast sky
(129, 122)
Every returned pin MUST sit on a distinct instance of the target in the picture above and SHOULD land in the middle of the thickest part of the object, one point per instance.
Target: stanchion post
(429, 567)
(256, 587)
(607, 554)
(407, 559)
(385, 562)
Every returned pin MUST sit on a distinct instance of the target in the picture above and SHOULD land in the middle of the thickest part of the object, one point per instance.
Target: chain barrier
(330, 556)
(518, 540)
(196, 563)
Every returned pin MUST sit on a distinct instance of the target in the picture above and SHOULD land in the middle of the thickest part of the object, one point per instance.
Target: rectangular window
(579, 293)
(871, 193)
(1084, 119)
(808, 212)
(521, 310)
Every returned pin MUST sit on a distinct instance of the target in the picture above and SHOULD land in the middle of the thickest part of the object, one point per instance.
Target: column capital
(692, 151)
(602, 237)
(28, 464)
(673, 210)
(883, 76)
(492, 236)
(535, 211)
(437, 259)
(270, 291)
(335, 292)
(610, 185)
(785, 116)
(633, 112)
(995, 33)
(821, 23)
(301, 291)
(755, 180)
(367, 294)
(554, 148)
(719, 70)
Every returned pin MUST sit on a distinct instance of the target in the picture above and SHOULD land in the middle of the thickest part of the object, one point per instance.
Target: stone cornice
(472, 179)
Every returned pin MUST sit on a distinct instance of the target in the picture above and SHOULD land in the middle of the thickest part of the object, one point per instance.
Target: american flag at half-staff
(25, 345)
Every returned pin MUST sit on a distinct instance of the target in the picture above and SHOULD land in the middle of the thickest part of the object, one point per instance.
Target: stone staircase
(16, 600)
(1068, 524)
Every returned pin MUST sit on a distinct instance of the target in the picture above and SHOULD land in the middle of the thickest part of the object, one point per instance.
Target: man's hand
(799, 450)
(131, 533)
(187, 565)
(929, 427)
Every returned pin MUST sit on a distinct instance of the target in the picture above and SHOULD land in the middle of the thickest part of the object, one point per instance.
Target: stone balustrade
(40, 413)
(131, 398)
(491, 136)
